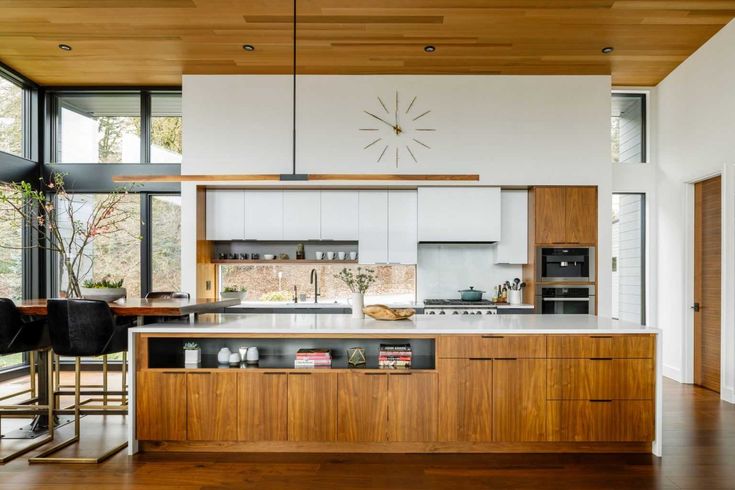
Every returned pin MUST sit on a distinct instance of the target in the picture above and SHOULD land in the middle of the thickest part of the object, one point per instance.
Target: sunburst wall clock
(399, 130)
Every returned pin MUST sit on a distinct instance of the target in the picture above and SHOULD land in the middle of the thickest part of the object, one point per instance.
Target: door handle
(696, 307)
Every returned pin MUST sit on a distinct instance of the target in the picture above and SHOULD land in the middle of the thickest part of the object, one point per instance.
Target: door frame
(727, 286)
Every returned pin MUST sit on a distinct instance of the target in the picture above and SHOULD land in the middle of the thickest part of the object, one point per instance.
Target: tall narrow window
(628, 257)
(166, 128)
(628, 128)
(11, 265)
(99, 128)
(165, 243)
(11, 117)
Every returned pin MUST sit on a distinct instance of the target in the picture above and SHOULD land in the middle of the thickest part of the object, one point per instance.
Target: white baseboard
(673, 373)
(728, 395)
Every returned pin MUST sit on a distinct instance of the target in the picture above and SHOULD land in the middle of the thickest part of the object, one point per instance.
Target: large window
(119, 127)
(165, 246)
(11, 266)
(628, 257)
(628, 128)
(11, 117)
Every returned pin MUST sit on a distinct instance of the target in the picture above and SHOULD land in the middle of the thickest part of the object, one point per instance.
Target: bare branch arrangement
(64, 223)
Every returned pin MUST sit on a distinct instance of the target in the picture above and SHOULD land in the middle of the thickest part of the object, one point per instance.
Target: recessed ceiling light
(429, 48)
(607, 50)
(248, 47)
(65, 47)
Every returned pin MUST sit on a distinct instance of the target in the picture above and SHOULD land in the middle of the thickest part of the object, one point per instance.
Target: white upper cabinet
(225, 215)
(339, 215)
(263, 215)
(513, 246)
(459, 214)
(373, 227)
(301, 215)
(402, 227)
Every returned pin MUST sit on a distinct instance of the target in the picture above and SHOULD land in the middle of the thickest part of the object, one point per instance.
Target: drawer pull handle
(299, 374)
(481, 358)
(493, 336)
(200, 374)
(273, 374)
(506, 358)
(375, 374)
(600, 401)
(601, 358)
(173, 372)
(401, 374)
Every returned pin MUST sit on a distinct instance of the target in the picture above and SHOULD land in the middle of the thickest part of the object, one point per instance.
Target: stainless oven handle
(567, 299)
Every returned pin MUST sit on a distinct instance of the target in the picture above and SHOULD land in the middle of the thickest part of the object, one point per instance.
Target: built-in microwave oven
(565, 264)
(565, 300)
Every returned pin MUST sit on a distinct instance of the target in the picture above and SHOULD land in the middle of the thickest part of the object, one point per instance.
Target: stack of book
(313, 358)
(394, 356)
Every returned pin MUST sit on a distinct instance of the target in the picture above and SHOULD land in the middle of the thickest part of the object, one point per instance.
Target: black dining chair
(84, 328)
(19, 336)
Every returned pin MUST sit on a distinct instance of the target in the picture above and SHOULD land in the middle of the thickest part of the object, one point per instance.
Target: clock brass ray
(421, 115)
(410, 105)
(422, 144)
(382, 153)
(383, 104)
(371, 144)
(411, 153)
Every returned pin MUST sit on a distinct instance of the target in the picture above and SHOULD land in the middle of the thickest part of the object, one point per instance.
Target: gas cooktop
(457, 302)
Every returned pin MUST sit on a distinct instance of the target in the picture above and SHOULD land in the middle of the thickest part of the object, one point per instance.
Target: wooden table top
(142, 306)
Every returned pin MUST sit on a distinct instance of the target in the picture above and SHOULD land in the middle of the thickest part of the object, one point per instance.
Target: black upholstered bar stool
(83, 328)
(17, 336)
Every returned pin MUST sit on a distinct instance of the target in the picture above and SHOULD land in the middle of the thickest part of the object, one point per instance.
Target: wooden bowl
(382, 312)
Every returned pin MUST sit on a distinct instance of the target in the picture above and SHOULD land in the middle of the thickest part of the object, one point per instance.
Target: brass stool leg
(44, 456)
(50, 414)
(104, 379)
(32, 368)
(124, 386)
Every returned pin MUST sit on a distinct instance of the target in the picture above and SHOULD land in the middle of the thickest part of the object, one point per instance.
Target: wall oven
(565, 264)
(566, 300)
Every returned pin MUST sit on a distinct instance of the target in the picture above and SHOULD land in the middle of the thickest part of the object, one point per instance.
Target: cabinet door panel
(225, 215)
(160, 406)
(487, 346)
(362, 404)
(301, 215)
(581, 379)
(519, 400)
(412, 399)
(465, 400)
(263, 407)
(373, 227)
(211, 406)
(312, 407)
(587, 346)
(582, 420)
(581, 215)
(550, 215)
(513, 245)
(402, 227)
(340, 215)
(636, 419)
(264, 215)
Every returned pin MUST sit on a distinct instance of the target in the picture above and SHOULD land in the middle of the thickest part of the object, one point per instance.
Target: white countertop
(419, 324)
(306, 304)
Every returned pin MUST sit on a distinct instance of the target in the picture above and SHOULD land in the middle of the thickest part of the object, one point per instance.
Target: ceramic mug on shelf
(341, 255)
(253, 355)
(234, 359)
(330, 255)
(318, 255)
(353, 255)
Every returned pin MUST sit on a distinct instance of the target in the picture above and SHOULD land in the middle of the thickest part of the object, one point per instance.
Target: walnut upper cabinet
(566, 215)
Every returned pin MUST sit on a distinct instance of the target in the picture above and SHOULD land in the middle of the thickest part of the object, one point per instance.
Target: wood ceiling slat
(152, 42)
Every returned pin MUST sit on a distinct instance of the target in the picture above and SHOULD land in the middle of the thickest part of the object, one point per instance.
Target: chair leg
(124, 385)
(50, 414)
(44, 456)
(104, 379)
(32, 369)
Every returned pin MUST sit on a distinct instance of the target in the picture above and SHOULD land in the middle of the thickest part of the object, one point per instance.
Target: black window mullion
(145, 127)
(145, 244)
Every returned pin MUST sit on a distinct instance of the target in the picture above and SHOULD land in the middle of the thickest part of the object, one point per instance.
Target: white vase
(357, 302)
(223, 356)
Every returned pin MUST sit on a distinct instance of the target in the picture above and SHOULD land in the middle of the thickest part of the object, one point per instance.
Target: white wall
(696, 139)
(512, 130)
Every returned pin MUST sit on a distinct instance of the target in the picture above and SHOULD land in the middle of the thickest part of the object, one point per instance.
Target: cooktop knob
(442, 312)
(455, 313)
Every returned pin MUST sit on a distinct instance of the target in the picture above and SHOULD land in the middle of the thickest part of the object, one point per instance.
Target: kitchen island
(494, 383)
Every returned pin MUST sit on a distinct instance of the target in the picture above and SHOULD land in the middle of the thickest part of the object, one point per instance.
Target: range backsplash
(445, 268)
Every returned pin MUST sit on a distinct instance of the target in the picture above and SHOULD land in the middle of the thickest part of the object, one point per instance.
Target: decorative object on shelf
(255, 256)
(471, 294)
(358, 283)
(313, 358)
(318, 255)
(253, 355)
(93, 217)
(300, 255)
(192, 354)
(330, 255)
(283, 257)
(268, 256)
(233, 292)
(353, 255)
(397, 129)
(382, 312)
(515, 293)
(341, 255)
(356, 356)
(105, 290)
(395, 356)
(243, 350)
(234, 359)
(223, 356)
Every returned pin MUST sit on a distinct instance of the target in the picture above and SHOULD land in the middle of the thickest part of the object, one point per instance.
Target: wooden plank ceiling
(154, 42)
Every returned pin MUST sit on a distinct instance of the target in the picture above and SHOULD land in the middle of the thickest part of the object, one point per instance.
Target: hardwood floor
(699, 445)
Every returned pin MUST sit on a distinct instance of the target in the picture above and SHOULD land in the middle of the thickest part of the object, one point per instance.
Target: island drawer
(491, 346)
(600, 346)
(600, 378)
(600, 420)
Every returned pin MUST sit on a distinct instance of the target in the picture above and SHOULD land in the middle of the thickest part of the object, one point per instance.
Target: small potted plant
(234, 292)
(192, 354)
(105, 290)
(358, 282)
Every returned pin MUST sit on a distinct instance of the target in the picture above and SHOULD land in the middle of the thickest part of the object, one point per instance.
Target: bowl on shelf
(269, 256)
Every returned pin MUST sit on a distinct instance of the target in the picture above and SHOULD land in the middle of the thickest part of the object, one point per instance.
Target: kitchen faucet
(314, 279)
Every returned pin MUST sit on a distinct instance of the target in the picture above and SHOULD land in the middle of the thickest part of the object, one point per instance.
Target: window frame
(644, 96)
(146, 115)
(644, 247)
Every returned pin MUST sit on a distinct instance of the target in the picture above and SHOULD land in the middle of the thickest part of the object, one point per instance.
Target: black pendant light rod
(293, 175)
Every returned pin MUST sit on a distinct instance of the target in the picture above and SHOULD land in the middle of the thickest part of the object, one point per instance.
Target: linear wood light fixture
(294, 176)
(285, 178)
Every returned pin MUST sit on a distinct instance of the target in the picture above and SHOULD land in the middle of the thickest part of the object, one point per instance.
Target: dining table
(141, 308)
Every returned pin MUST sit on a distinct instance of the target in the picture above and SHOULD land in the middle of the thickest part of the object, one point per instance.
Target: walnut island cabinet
(525, 383)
